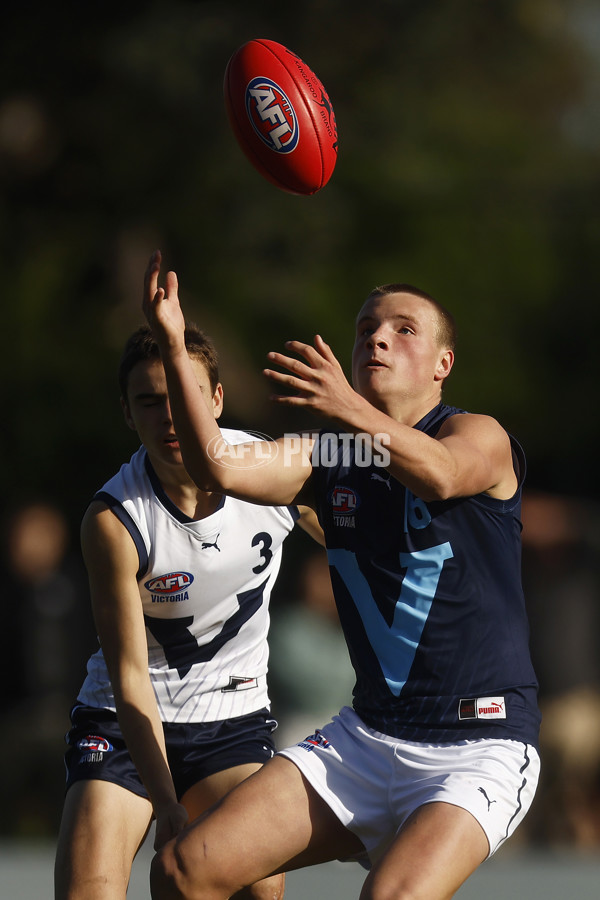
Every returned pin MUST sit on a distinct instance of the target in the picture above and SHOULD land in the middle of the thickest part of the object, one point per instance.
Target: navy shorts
(97, 749)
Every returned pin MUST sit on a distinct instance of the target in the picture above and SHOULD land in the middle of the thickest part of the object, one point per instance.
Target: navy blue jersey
(430, 599)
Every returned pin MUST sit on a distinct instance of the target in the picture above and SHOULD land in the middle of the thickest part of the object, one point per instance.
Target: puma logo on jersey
(482, 708)
(489, 802)
(207, 544)
(376, 477)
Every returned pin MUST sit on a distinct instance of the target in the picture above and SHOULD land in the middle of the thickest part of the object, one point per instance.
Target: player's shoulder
(101, 532)
(472, 423)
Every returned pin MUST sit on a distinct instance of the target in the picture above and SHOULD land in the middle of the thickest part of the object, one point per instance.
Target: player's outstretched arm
(212, 464)
(470, 455)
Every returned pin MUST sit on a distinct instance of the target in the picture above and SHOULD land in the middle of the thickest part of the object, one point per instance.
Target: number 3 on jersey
(264, 539)
(395, 646)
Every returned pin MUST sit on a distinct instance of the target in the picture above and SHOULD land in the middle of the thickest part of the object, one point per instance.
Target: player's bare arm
(112, 562)
(309, 522)
(209, 462)
(470, 455)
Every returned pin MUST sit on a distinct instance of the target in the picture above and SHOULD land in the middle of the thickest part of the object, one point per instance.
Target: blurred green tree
(467, 166)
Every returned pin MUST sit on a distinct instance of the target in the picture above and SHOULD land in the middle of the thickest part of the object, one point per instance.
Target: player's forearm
(143, 732)
(197, 431)
(418, 461)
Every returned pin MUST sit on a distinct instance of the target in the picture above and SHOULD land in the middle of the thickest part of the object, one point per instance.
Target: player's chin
(368, 379)
(170, 452)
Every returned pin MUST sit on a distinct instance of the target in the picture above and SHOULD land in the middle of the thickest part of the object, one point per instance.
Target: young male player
(436, 764)
(174, 710)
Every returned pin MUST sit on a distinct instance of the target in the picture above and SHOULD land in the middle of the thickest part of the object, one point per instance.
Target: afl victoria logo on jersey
(170, 588)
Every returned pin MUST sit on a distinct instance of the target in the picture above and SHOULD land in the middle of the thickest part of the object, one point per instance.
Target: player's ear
(127, 414)
(218, 400)
(445, 365)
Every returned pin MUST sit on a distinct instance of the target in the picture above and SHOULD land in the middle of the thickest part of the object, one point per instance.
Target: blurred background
(469, 165)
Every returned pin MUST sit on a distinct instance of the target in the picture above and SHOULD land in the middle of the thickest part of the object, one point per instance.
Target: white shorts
(373, 782)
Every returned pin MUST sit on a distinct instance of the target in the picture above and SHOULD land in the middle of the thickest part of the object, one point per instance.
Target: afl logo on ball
(272, 115)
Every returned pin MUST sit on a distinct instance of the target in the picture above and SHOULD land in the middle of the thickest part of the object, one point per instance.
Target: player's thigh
(435, 851)
(103, 826)
(205, 793)
(271, 822)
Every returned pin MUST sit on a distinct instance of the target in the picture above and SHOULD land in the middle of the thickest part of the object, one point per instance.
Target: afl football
(281, 116)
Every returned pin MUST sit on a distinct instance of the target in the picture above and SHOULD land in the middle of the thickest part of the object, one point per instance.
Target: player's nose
(377, 338)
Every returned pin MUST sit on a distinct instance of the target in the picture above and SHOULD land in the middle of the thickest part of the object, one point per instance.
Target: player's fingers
(151, 274)
(289, 362)
(283, 400)
(325, 350)
(171, 285)
(306, 350)
(297, 384)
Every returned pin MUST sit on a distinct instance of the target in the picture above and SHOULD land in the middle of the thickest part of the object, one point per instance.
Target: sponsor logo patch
(239, 683)
(482, 708)
(315, 740)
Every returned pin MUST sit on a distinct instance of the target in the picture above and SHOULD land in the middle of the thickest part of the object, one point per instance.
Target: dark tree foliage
(468, 165)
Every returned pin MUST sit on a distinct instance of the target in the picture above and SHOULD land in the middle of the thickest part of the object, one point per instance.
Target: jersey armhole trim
(125, 519)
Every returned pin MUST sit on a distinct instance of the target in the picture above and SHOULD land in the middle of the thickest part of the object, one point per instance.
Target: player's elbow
(437, 488)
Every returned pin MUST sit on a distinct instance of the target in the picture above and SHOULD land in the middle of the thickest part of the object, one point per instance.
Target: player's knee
(268, 889)
(167, 875)
(396, 889)
(392, 893)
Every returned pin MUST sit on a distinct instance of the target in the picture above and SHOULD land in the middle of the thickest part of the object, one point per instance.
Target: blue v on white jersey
(204, 587)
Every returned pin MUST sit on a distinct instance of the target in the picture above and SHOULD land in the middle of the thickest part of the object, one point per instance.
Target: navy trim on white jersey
(125, 519)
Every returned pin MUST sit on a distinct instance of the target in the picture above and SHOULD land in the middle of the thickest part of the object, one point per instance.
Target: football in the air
(281, 116)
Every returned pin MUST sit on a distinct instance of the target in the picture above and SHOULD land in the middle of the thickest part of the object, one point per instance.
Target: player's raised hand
(161, 306)
(319, 381)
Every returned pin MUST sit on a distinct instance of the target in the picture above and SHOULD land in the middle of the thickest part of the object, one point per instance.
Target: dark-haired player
(436, 764)
(174, 710)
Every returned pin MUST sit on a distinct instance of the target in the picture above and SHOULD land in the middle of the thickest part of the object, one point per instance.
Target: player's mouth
(375, 364)
(172, 441)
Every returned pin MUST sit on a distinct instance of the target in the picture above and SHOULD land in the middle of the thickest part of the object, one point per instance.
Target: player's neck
(193, 502)
(408, 410)
(187, 496)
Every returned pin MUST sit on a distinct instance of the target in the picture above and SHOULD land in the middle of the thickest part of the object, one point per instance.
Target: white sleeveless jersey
(204, 587)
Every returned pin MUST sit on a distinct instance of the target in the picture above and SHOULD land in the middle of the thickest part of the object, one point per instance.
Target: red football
(281, 116)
